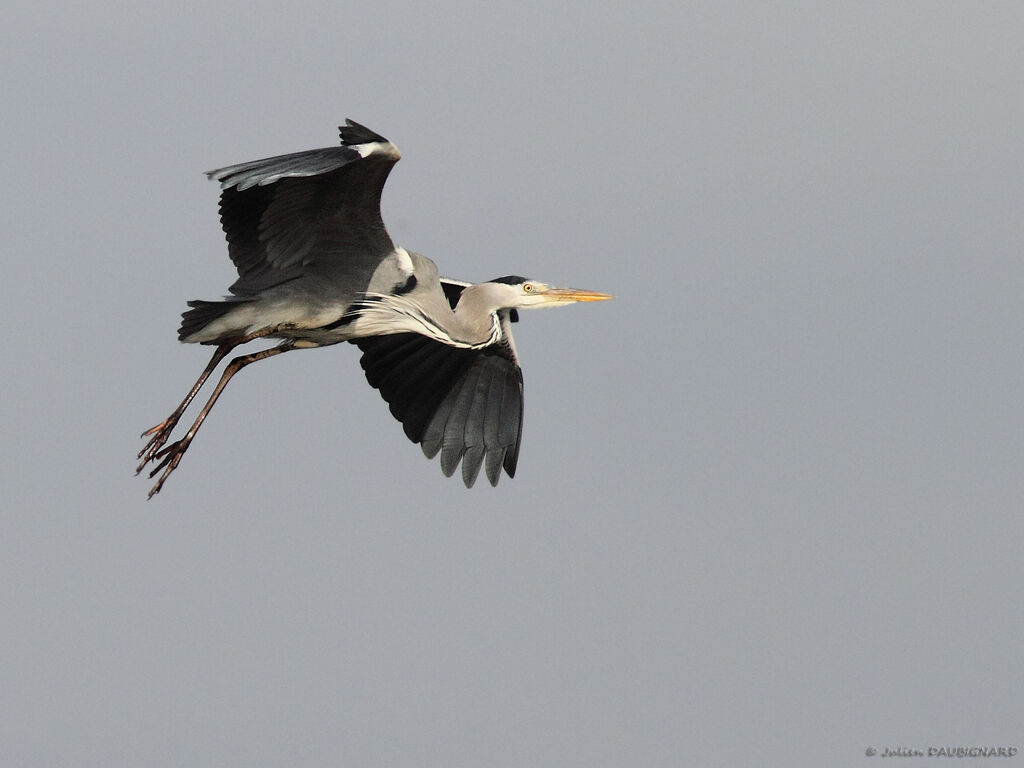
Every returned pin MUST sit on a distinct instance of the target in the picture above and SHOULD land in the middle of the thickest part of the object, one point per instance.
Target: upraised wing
(314, 213)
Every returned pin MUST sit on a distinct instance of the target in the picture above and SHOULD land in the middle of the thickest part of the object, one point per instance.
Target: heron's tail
(201, 315)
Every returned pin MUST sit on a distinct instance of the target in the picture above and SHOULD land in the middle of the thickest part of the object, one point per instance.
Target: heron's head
(515, 292)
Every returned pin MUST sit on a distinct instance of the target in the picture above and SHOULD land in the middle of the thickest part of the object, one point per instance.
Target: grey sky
(768, 506)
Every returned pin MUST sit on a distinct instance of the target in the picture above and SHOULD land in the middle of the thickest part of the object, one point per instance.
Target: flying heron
(316, 267)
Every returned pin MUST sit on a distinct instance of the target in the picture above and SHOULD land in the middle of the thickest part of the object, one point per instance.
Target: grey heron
(316, 267)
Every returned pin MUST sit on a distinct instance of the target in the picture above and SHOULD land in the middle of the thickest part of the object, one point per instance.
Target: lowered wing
(466, 404)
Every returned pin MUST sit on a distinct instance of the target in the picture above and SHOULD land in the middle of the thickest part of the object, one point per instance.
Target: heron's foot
(157, 437)
(169, 459)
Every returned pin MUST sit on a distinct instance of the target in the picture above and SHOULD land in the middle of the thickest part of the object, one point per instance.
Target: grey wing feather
(475, 433)
(453, 440)
(313, 162)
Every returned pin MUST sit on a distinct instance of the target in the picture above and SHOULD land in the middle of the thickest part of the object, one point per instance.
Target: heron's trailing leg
(170, 456)
(158, 435)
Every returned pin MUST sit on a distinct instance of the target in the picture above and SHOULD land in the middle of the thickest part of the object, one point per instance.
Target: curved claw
(159, 435)
(169, 458)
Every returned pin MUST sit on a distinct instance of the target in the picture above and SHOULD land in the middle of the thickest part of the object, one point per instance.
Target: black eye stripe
(509, 280)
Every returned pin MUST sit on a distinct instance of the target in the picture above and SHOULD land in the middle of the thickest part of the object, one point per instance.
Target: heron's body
(317, 267)
(290, 312)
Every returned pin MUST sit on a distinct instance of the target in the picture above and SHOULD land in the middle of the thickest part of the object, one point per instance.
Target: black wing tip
(353, 133)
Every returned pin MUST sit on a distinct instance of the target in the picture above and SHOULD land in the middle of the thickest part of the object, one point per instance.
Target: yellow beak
(575, 294)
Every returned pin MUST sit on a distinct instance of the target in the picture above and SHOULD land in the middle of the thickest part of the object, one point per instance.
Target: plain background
(768, 507)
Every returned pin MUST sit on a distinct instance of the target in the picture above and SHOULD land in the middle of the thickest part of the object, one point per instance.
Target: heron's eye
(528, 288)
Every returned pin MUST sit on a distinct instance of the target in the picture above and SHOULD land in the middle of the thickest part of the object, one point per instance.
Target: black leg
(170, 456)
(158, 435)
